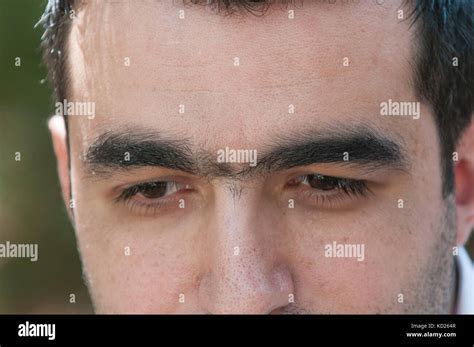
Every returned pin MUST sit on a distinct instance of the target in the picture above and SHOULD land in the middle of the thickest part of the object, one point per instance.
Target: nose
(244, 272)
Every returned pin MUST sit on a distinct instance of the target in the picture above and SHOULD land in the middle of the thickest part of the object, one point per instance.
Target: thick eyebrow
(360, 145)
(137, 148)
(256, 7)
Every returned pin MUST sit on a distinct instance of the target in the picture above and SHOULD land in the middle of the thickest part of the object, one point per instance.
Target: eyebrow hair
(230, 7)
(137, 148)
(361, 145)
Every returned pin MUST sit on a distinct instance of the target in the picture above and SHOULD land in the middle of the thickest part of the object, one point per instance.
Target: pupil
(322, 183)
(154, 190)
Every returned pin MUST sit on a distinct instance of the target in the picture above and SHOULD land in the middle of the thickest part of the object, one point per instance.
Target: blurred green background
(31, 208)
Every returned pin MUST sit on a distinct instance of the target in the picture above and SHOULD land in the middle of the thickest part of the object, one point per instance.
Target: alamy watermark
(345, 250)
(76, 108)
(400, 108)
(28, 329)
(228, 155)
(19, 250)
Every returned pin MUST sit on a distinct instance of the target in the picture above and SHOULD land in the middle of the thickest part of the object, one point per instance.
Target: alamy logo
(14, 250)
(76, 108)
(228, 155)
(400, 108)
(344, 250)
(37, 330)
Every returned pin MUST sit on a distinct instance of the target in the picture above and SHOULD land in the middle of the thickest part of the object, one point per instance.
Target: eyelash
(149, 208)
(344, 189)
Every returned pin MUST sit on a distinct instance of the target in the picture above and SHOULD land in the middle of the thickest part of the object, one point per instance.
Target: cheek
(133, 273)
(140, 265)
(393, 242)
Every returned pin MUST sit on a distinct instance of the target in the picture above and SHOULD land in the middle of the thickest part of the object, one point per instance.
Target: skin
(191, 251)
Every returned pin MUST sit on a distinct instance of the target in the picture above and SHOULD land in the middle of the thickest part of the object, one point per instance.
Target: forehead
(142, 62)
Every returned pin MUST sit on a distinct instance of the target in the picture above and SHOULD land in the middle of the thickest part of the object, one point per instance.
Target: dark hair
(444, 31)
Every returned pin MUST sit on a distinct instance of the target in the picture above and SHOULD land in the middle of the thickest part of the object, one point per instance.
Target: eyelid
(170, 188)
(128, 197)
(341, 196)
(135, 189)
(125, 184)
(379, 176)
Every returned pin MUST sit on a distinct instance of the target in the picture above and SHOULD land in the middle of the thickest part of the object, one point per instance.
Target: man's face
(305, 93)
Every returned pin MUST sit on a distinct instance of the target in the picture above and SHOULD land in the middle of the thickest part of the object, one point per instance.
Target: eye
(146, 198)
(328, 189)
(152, 190)
(155, 190)
(322, 182)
